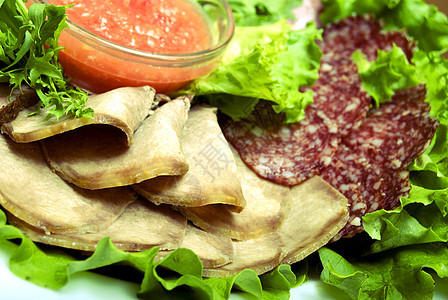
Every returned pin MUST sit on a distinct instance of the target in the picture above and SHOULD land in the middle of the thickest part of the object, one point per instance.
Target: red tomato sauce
(157, 26)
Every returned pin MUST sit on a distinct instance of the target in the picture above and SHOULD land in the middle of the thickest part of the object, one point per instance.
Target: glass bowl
(98, 65)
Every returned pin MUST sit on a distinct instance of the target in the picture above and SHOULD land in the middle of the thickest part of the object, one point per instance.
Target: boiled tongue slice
(31, 191)
(92, 158)
(212, 177)
(123, 108)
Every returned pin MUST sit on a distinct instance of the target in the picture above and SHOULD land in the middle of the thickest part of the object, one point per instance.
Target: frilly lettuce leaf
(434, 69)
(266, 62)
(52, 269)
(398, 274)
(258, 12)
(390, 72)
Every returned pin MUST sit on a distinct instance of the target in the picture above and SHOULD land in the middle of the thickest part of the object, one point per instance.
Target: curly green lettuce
(389, 73)
(266, 62)
(257, 12)
(29, 55)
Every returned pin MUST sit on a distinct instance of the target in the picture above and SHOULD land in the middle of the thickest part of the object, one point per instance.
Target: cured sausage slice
(370, 166)
(285, 154)
(400, 130)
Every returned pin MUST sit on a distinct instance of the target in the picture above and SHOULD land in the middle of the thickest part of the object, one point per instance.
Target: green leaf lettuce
(266, 62)
(52, 269)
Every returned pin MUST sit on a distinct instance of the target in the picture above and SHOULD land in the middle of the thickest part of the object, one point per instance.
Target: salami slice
(370, 166)
(339, 95)
(365, 33)
(400, 130)
(285, 154)
(338, 91)
(361, 176)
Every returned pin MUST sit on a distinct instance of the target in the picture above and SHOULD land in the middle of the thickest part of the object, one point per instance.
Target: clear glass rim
(203, 55)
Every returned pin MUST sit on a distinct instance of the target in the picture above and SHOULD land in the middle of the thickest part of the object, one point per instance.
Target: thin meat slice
(370, 166)
(212, 176)
(266, 206)
(33, 193)
(290, 154)
(367, 182)
(123, 108)
(316, 214)
(360, 180)
(287, 154)
(141, 226)
(362, 32)
(260, 254)
(338, 94)
(12, 103)
(92, 158)
(400, 129)
(213, 250)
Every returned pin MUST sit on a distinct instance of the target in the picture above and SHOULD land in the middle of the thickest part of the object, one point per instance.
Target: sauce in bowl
(158, 26)
(116, 43)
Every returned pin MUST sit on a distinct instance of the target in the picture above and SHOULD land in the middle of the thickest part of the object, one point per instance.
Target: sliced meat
(12, 104)
(91, 158)
(364, 178)
(400, 130)
(33, 193)
(316, 214)
(141, 226)
(212, 176)
(123, 108)
(260, 254)
(338, 94)
(364, 32)
(287, 154)
(266, 207)
(213, 250)
(370, 166)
